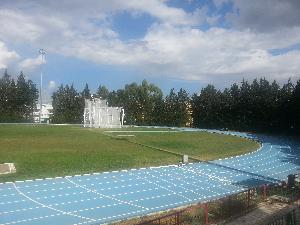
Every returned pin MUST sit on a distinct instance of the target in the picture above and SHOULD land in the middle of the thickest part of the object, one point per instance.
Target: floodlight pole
(122, 119)
(42, 54)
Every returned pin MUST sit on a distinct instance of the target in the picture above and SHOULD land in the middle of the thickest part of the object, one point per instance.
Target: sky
(171, 43)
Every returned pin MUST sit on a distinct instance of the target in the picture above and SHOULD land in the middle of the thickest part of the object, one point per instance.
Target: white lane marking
(11, 202)
(103, 195)
(19, 210)
(196, 182)
(175, 185)
(142, 131)
(126, 135)
(86, 200)
(31, 219)
(113, 217)
(150, 182)
(49, 207)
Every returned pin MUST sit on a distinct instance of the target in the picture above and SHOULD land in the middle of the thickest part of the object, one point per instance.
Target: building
(46, 113)
(99, 115)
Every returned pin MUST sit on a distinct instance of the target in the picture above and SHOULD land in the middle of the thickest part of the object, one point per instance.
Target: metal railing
(229, 207)
(288, 219)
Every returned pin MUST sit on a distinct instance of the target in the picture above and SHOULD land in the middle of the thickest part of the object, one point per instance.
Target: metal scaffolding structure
(97, 114)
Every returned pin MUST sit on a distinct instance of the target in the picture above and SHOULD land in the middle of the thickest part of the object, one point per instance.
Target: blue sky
(171, 43)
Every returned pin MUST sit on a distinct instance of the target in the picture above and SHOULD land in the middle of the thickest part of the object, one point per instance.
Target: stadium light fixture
(42, 53)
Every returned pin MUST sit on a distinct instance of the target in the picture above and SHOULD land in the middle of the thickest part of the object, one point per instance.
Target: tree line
(259, 105)
(17, 98)
(256, 106)
(143, 103)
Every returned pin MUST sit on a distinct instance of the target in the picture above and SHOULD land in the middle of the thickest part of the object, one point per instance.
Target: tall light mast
(42, 54)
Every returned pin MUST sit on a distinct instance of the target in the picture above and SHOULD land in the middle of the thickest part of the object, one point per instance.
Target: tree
(102, 92)
(206, 108)
(170, 108)
(274, 105)
(284, 110)
(295, 109)
(115, 98)
(244, 105)
(86, 94)
(149, 97)
(159, 113)
(67, 105)
(226, 108)
(7, 98)
(235, 117)
(140, 102)
(17, 100)
(263, 99)
(259, 106)
(177, 109)
(26, 97)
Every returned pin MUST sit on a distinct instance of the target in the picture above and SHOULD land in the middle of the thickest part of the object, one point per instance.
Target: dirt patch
(6, 168)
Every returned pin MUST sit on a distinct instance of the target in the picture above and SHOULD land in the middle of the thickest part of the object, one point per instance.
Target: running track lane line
(109, 197)
(49, 207)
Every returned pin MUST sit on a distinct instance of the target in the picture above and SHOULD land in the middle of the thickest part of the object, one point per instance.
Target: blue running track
(106, 197)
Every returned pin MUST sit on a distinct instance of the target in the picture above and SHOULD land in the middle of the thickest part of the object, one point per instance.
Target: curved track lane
(106, 197)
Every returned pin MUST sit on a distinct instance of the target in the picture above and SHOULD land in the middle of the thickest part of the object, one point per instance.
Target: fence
(229, 207)
(195, 214)
(288, 219)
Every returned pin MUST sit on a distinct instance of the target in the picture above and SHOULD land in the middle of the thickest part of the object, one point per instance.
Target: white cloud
(216, 54)
(31, 64)
(171, 47)
(6, 56)
(17, 26)
(266, 15)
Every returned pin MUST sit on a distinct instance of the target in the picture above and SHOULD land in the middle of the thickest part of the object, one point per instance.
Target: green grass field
(49, 151)
(201, 145)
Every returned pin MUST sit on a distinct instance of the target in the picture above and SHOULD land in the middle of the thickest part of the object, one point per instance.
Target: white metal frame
(97, 114)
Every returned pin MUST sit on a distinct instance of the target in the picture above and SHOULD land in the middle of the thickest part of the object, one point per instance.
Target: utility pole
(42, 54)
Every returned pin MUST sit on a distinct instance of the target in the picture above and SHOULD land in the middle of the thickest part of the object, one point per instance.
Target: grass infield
(49, 151)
